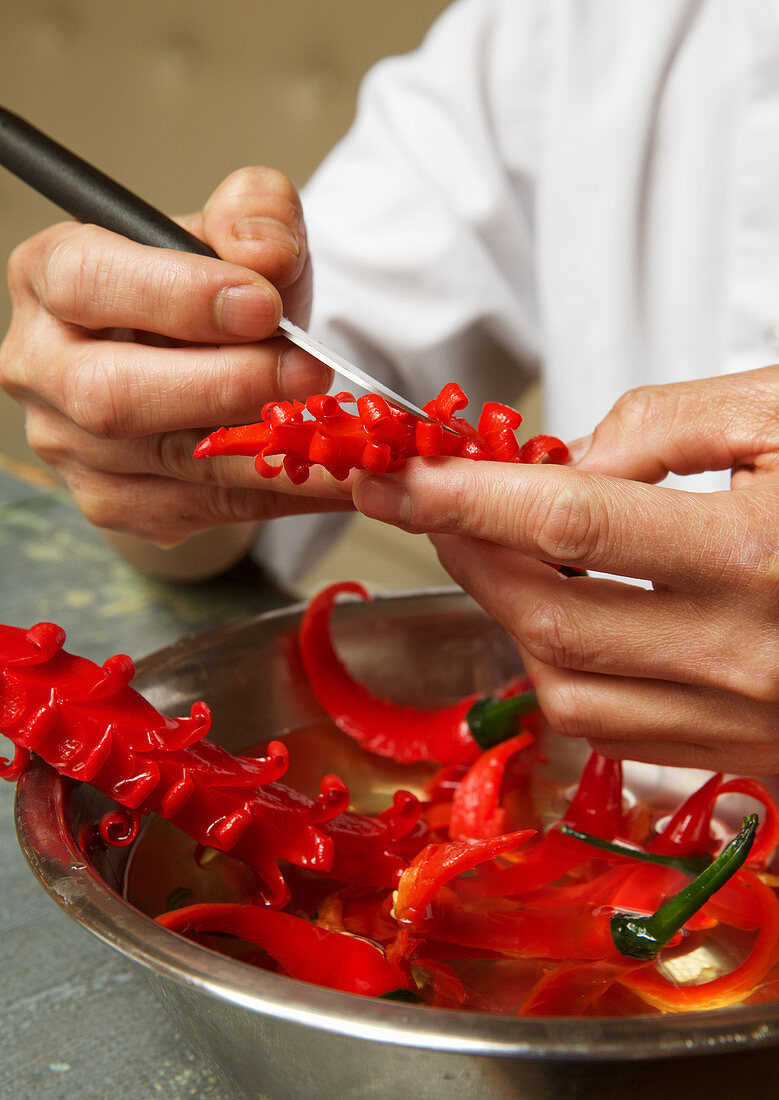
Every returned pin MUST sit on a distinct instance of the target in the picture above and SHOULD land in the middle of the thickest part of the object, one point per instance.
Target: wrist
(203, 555)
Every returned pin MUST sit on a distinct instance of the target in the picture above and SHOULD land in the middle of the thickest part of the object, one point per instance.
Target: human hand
(124, 356)
(685, 674)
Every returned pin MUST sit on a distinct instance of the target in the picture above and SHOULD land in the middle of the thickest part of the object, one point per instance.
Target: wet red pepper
(89, 724)
(596, 807)
(404, 733)
(378, 437)
(304, 950)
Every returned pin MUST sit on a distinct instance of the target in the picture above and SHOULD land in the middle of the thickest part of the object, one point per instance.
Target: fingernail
(382, 498)
(579, 448)
(300, 375)
(266, 229)
(245, 310)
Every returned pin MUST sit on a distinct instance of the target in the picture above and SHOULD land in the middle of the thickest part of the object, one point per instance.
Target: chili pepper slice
(596, 807)
(437, 864)
(312, 954)
(476, 812)
(404, 733)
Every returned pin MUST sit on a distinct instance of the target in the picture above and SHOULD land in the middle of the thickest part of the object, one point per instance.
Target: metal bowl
(280, 1038)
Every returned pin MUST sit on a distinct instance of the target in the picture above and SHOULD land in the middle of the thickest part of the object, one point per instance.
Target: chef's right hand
(124, 356)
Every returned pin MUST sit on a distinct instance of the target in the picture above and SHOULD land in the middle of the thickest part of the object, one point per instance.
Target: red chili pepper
(378, 437)
(312, 954)
(596, 807)
(437, 864)
(89, 724)
(406, 734)
(476, 813)
(729, 988)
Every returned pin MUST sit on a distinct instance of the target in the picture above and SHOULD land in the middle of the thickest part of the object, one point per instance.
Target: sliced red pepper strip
(307, 952)
(578, 932)
(476, 811)
(596, 808)
(437, 864)
(767, 837)
(688, 831)
(571, 988)
(543, 447)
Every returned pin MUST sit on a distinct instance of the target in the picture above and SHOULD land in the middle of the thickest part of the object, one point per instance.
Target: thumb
(254, 218)
(687, 427)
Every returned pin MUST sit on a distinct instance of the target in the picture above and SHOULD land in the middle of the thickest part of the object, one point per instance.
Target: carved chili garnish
(90, 725)
(378, 437)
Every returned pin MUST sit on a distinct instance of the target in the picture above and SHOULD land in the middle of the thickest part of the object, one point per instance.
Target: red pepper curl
(379, 437)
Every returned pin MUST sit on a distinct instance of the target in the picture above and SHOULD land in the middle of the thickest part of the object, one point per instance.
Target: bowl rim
(57, 861)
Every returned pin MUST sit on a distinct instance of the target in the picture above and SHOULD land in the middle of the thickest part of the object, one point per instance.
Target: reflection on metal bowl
(279, 1038)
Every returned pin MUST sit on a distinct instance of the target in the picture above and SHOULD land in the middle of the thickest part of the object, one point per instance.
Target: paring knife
(88, 195)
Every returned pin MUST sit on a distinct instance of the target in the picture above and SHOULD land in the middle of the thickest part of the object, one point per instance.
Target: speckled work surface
(76, 1020)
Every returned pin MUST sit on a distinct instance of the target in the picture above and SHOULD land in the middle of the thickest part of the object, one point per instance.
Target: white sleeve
(420, 220)
(420, 225)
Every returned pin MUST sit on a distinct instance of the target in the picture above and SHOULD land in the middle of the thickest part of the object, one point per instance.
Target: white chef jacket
(582, 189)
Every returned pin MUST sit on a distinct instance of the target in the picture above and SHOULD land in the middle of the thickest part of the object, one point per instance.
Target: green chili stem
(492, 720)
(688, 865)
(645, 937)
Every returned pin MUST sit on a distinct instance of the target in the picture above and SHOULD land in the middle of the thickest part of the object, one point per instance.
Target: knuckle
(91, 497)
(243, 386)
(642, 407)
(566, 711)
(230, 505)
(43, 437)
(550, 635)
(90, 394)
(569, 527)
(28, 260)
(20, 263)
(755, 674)
(172, 456)
(67, 275)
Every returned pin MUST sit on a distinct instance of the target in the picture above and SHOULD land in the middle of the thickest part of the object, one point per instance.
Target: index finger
(87, 276)
(559, 515)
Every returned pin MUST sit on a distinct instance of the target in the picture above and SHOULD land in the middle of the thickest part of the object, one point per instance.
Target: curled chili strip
(378, 437)
(729, 988)
(404, 733)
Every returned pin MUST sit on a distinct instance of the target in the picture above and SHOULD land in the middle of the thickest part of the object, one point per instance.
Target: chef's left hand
(684, 674)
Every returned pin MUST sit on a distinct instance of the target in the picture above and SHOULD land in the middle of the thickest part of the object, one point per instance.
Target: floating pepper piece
(378, 437)
(404, 733)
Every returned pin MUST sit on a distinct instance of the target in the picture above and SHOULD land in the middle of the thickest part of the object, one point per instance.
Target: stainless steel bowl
(280, 1038)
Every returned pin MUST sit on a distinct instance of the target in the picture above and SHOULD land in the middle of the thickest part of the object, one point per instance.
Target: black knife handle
(84, 192)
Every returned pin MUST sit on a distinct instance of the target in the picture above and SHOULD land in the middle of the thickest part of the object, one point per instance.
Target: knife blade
(89, 195)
